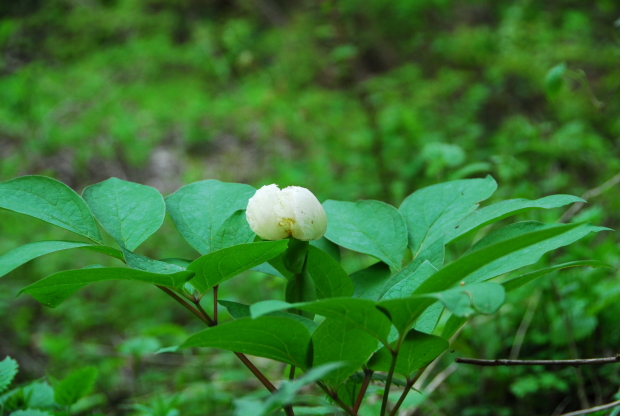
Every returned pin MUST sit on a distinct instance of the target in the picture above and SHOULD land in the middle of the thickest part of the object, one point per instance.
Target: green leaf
(430, 317)
(505, 209)
(328, 276)
(433, 211)
(55, 289)
(485, 297)
(77, 385)
(555, 79)
(235, 230)
(285, 394)
(405, 282)
(499, 254)
(370, 227)
(8, 370)
(219, 266)
(515, 259)
(36, 395)
(128, 211)
(338, 340)
(369, 282)
(179, 262)
(278, 338)
(504, 255)
(328, 247)
(417, 351)
(239, 310)
(140, 262)
(27, 252)
(51, 201)
(361, 313)
(200, 209)
(519, 281)
(267, 269)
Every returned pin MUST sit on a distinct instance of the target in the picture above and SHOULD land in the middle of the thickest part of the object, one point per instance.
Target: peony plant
(342, 332)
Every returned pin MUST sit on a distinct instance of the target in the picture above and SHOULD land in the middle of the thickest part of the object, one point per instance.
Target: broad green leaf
(178, 262)
(408, 280)
(75, 386)
(484, 297)
(452, 326)
(404, 314)
(267, 269)
(433, 211)
(199, 209)
(329, 277)
(8, 370)
(128, 211)
(501, 255)
(519, 281)
(455, 322)
(55, 289)
(527, 255)
(361, 313)
(239, 310)
(219, 266)
(430, 317)
(328, 247)
(51, 201)
(140, 262)
(286, 393)
(235, 230)
(301, 288)
(417, 351)
(278, 338)
(505, 209)
(369, 282)
(370, 227)
(338, 340)
(27, 252)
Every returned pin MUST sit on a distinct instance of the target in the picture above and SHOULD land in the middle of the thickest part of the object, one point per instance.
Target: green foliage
(362, 226)
(130, 212)
(199, 210)
(75, 386)
(8, 369)
(359, 314)
(353, 100)
(51, 201)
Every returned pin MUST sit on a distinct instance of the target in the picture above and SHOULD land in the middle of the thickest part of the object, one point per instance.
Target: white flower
(275, 214)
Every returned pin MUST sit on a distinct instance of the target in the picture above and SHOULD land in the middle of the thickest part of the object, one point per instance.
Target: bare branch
(593, 409)
(571, 363)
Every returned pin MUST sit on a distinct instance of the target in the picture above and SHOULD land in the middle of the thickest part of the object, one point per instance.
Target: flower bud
(275, 214)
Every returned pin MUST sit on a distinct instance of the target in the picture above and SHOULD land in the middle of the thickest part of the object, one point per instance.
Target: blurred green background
(351, 99)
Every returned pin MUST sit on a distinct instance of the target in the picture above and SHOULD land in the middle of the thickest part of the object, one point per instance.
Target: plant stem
(203, 316)
(362, 393)
(335, 398)
(404, 395)
(291, 374)
(388, 382)
(571, 363)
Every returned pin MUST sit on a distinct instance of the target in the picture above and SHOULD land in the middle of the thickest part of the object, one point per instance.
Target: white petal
(299, 209)
(262, 216)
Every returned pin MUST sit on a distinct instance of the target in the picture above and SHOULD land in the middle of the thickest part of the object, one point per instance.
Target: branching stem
(568, 363)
